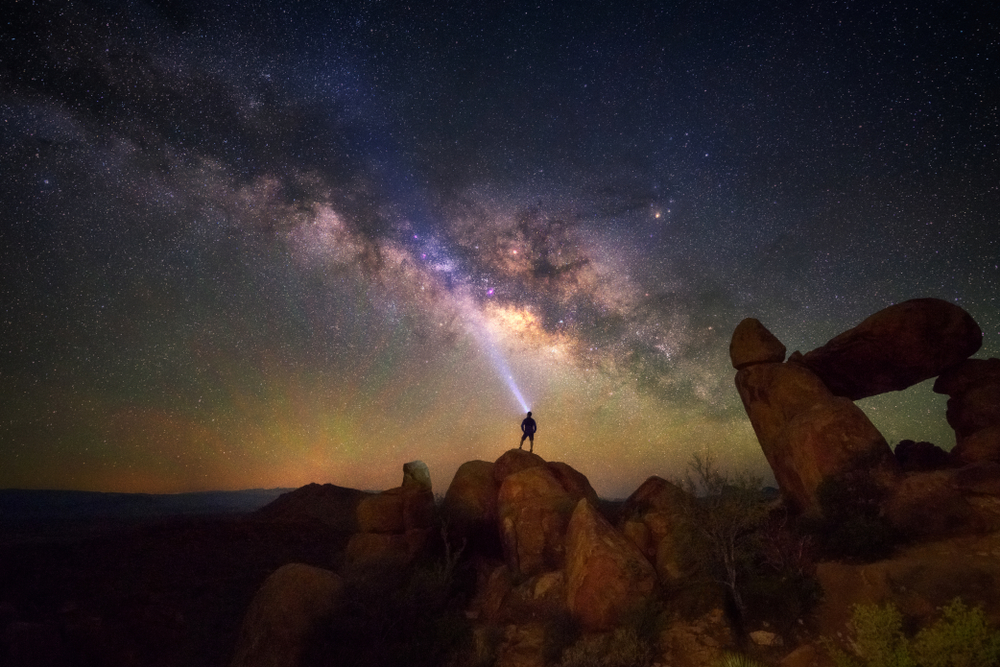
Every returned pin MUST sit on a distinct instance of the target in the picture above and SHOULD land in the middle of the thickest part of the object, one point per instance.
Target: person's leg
(531, 439)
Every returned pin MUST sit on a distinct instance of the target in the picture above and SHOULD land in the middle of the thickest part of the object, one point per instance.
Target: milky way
(251, 245)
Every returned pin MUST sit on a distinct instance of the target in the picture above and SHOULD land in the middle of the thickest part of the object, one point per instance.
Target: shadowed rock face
(752, 343)
(973, 389)
(896, 348)
(286, 610)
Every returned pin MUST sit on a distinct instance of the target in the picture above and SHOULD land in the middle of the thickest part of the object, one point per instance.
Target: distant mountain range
(19, 507)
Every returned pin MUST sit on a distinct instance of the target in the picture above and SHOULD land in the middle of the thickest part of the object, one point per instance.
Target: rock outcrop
(607, 576)
(534, 510)
(289, 607)
(650, 518)
(896, 348)
(973, 390)
(394, 525)
(807, 433)
(470, 505)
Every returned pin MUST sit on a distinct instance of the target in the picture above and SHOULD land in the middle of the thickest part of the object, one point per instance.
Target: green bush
(737, 660)
(960, 638)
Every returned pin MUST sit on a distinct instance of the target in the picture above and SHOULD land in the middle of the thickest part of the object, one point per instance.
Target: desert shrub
(624, 647)
(852, 526)
(722, 522)
(960, 638)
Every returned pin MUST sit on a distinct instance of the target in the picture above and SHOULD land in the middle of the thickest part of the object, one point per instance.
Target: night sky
(262, 244)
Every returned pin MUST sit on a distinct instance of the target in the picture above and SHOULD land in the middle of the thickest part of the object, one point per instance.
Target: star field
(263, 245)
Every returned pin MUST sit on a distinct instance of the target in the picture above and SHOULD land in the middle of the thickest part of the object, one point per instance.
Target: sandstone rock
(417, 475)
(941, 503)
(983, 445)
(522, 646)
(607, 576)
(575, 483)
(765, 638)
(896, 348)
(807, 434)
(515, 460)
(806, 655)
(752, 343)
(919, 579)
(973, 389)
(920, 456)
(534, 510)
(396, 510)
(656, 506)
(697, 644)
(386, 549)
(288, 608)
(472, 495)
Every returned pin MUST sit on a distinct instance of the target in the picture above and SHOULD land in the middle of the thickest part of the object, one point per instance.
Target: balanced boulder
(752, 343)
(808, 434)
(896, 348)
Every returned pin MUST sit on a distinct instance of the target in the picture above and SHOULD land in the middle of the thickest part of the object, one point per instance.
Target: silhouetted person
(528, 428)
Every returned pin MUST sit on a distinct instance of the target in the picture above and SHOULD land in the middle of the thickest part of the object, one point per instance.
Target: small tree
(725, 515)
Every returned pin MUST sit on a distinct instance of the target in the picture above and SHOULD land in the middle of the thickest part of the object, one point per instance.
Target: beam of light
(488, 344)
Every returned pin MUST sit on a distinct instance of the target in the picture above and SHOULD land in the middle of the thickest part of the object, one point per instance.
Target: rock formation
(803, 414)
(896, 348)
(806, 432)
(973, 389)
(469, 509)
(284, 613)
(650, 518)
(534, 510)
(394, 525)
(606, 574)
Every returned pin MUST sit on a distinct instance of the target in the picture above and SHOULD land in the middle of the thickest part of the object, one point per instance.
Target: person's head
(529, 413)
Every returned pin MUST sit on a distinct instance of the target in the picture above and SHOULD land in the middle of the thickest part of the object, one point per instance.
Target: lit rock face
(416, 475)
(806, 433)
(896, 348)
(650, 518)
(515, 460)
(973, 389)
(288, 608)
(534, 510)
(606, 574)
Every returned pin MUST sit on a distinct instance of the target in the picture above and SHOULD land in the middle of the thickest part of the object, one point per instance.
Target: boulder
(896, 348)
(606, 574)
(650, 518)
(703, 641)
(396, 510)
(386, 549)
(973, 389)
(417, 475)
(575, 483)
(920, 456)
(752, 344)
(534, 510)
(284, 614)
(807, 434)
(515, 460)
(471, 498)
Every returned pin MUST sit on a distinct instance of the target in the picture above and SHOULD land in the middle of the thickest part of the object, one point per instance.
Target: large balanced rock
(896, 348)
(606, 575)
(807, 434)
(752, 343)
(285, 612)
(973, 389)
(534, 510)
